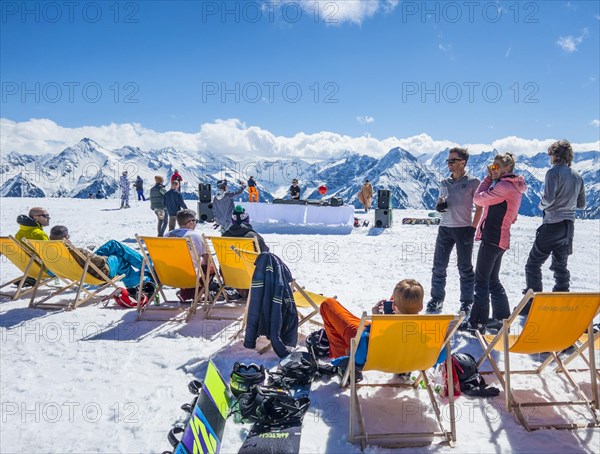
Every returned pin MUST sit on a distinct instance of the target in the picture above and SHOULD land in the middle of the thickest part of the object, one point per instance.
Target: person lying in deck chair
(114, 258)
(186, 220)
(341, 325)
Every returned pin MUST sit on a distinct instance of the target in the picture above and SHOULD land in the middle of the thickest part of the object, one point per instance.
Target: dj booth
(300, 217)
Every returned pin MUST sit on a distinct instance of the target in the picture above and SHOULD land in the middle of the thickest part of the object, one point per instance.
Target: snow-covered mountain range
(87, 167)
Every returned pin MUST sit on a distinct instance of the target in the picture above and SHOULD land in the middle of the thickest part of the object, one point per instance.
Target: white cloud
(340, 11)
(569, 43)
(595, 123)
(365, 119)
(234, 138)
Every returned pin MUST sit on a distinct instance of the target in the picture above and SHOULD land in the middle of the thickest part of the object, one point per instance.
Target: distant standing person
(177, 177)
(173, 202)
(124, 185)
(223, 204)
(294, 190)
(157, 204)
(252, 190)
(563, 194)
(99, 194)
(457, 229)
(366, 195)
(139, 187)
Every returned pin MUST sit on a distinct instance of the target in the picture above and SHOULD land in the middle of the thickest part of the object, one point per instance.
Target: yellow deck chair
(171, 262)
(233, 272)
(56, 256)
(400, 344)
(554, 323)
(24, 258)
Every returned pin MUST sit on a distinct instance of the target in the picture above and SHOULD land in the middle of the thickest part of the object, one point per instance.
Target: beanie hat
(239, 215)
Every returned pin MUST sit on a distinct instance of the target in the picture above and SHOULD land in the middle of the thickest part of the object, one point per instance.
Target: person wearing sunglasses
(187, 221)
(563, 194)
(457, 228)
(32, 225)
(500, 196)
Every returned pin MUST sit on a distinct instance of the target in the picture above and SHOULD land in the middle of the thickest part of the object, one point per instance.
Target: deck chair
(23, 257)
(56, 255)
(554, 323)
(171, 262)
(400, 344)
(232, 270)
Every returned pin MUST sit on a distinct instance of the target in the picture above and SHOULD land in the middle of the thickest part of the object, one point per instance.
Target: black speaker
(383, 218)
(204, 193)
(383, 199)
(336, 202)
(205, 212)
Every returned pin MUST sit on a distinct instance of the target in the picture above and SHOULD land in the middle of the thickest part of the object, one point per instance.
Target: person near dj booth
(294, 190)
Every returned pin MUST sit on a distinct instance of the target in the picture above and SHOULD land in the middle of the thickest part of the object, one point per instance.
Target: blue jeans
(122, 259)
(448, 237)
(487, 281)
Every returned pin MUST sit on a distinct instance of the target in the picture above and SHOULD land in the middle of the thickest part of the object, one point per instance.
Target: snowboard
(281, 439)
(421, 221)
(209, 411)
(272, 439)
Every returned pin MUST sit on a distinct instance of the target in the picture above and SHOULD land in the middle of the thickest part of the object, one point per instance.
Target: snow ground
(95, 380)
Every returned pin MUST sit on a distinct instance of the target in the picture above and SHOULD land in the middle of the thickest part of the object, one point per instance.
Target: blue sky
(377, 68)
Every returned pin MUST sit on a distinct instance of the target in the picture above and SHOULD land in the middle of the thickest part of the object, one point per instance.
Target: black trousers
(487, 282)
(448, 237)
(556, 240)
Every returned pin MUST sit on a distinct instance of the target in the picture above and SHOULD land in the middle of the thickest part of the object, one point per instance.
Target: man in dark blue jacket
(272, 311)
(174, 202)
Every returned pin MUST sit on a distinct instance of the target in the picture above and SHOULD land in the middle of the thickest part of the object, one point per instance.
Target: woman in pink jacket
(500, 196)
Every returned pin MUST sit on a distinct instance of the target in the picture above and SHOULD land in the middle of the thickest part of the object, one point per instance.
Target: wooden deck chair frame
(533, 328)
(66, 268)
(221, 270)
(582, 346)
(407, 439)
(25, 259)
(195, 274)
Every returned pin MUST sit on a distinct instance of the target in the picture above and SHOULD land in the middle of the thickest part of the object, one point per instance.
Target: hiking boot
(465, 307)
(434, 307)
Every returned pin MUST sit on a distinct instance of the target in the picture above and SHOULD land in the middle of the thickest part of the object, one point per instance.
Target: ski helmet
(244, 377)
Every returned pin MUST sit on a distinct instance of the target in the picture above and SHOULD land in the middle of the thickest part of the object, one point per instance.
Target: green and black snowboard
(421, 221)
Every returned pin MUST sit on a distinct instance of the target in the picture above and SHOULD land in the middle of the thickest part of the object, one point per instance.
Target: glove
(441, 207)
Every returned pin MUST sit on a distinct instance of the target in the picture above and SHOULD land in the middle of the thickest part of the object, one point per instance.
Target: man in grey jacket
(223, 204)
(563, 193)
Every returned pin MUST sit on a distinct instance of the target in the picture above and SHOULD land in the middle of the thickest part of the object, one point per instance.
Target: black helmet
(318, 344)
(243, 378)
(466, 366)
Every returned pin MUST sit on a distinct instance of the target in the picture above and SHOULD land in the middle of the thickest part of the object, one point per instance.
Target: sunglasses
(493, 167)
(452, 161)
(47, 216)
